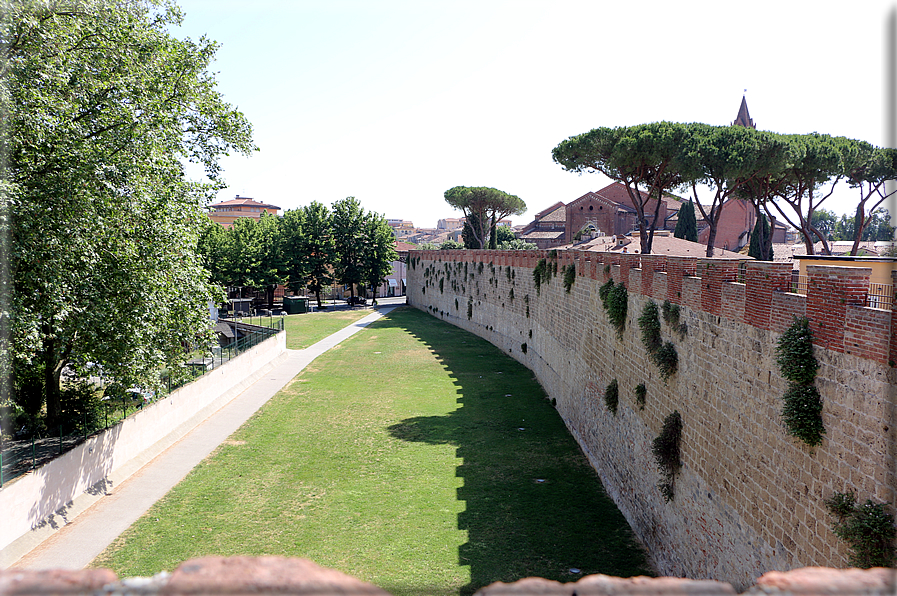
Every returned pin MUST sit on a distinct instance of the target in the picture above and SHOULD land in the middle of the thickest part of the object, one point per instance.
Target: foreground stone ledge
(812, 581)
(265, 575)
(606, 585)
(279, 575)
(15, 582)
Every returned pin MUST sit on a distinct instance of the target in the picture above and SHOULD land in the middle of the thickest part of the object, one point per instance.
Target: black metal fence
(22, 451)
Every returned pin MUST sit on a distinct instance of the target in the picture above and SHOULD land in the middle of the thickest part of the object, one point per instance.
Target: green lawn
(309, 328)
(417, 468)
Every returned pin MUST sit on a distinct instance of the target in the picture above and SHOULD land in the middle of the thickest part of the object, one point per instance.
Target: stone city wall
(749, 497)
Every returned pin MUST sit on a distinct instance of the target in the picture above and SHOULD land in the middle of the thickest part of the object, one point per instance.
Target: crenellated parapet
(756, 293)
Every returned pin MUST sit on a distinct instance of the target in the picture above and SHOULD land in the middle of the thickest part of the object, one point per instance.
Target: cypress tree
(687, 224)
(756, 249)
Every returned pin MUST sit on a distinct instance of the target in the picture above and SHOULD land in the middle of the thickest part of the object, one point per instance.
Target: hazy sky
(394, 102)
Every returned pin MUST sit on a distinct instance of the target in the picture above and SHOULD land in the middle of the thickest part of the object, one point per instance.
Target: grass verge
(431, 464)
(309, 328)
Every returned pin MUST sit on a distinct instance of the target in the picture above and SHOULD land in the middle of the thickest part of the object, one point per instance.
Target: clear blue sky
(394, 102)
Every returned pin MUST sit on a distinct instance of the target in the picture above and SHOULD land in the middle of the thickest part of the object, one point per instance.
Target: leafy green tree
(504, 234)
(483, 207)
(517, 244)
(347, 223)
(378, 251)
(451, 245)
(469, 236)
(721, 159)
(867, 169)
(813, 160)
(212, 248)
(308, 248)
(687, 224)
(99, 105)
(825, 221)
(645, 156)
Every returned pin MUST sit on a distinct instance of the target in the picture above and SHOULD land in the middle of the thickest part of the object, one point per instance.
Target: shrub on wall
(802, 409)
(671, 314)
(640, 393)
(666, 359)
(615, 300)
(649, 323)
(569, 276)
(612, 396)
(469, 307)
(667, 455)
(868, 530)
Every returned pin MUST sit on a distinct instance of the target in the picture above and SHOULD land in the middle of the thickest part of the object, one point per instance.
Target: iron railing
(22, 451)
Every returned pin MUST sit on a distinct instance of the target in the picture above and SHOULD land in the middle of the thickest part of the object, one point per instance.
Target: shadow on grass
(534, 506)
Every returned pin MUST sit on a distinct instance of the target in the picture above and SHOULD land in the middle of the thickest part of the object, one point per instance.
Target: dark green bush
(615, 300)
(649, 323)
(794, 353)
(802, 408)
(666, 359)
(640, 393)
(523, 347)
(569, 276)
(612, 396)
(802, 413)
(667, 455)
(469, 308)
(868, 530)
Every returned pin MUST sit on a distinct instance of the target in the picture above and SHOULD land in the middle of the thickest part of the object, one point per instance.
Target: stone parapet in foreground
(279, 575)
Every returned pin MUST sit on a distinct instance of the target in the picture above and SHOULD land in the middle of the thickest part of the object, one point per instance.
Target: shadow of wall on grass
(533, 504)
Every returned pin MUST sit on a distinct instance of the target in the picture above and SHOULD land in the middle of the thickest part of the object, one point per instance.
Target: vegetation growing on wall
(649, 323)
(868, 530)
(802, 409)
(667, 455)
(569, 276)
(469, 307)
(615, 300)
(671, 314)
(640, 393)
(612, 396)
(543, 272)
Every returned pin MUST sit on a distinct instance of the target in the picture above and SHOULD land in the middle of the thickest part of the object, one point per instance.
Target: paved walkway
(76, 544)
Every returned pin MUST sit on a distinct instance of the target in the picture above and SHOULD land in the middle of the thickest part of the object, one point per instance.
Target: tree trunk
(713, 224)
(859, 223)
(53, 366)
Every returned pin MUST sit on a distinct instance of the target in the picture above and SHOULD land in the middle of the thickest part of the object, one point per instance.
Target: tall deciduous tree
(315, 248)
(348, 226)
(99, 104)
(378, 251)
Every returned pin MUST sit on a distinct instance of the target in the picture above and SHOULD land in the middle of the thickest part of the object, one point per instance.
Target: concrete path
(77, 543)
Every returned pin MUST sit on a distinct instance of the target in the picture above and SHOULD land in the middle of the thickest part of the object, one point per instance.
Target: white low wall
(34, 505)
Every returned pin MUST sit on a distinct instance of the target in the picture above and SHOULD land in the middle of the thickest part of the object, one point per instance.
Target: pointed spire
(744, 118)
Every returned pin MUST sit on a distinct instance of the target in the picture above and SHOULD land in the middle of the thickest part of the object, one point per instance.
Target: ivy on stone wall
(612, 396)
(671, 314)
(868, 529)
(615, 300)
(649, 323)
(640, 393)
(569, 277)
(802, 409)
(667, 455)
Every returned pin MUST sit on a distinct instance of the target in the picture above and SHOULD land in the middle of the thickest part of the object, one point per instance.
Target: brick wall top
(830, 289)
